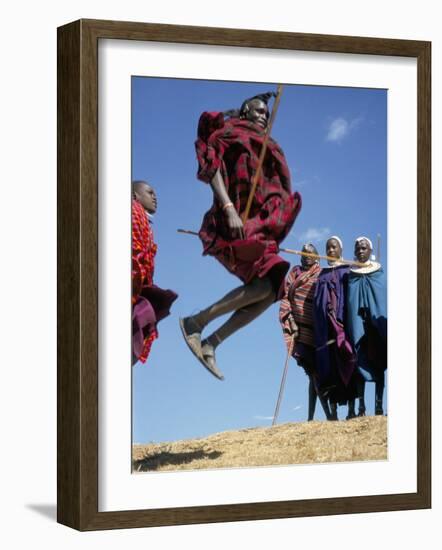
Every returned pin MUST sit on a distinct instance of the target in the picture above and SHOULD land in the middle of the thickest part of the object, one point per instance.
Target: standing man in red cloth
(296, 318)
(150, 303)
(228, 148)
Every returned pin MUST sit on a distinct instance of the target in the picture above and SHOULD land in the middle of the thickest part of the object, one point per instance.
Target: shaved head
(144, 193)
(138, 184)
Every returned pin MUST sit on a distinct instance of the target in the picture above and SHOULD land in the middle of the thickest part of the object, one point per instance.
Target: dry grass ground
(293, 443)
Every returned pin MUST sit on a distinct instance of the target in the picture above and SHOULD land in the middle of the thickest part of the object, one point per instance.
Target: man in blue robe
(367, 321)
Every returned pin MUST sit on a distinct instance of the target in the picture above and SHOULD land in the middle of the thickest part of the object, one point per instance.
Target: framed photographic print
(196, 168)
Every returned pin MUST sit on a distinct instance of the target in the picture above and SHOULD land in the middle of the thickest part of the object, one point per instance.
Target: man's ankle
(213, 340)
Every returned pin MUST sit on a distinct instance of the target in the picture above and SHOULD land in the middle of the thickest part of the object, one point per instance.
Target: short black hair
(263, 97)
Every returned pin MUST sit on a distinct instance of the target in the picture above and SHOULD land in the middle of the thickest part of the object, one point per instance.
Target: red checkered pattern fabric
(143, 262)
(298, 302)
(233, 147)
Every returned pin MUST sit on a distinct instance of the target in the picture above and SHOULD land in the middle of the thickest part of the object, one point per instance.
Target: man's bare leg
(379, 394)
(312, 398)
(253, 292)
(361, 394)
(238, 320)
(333, 411)
(258, 292)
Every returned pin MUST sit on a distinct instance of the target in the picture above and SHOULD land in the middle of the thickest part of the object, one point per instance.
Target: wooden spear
(298, 252)
(255, 178)
(284, 376)
(319, 257)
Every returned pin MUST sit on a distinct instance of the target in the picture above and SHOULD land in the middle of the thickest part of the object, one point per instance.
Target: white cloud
(263, 417)
(340, 127)
(297, 408)
(300, 183)
(314, 235)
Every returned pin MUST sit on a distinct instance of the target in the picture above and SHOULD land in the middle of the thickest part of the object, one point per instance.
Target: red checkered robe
(233, 147)
(143, 256)
(298, 297)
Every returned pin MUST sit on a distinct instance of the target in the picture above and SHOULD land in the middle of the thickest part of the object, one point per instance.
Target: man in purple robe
(335, 358)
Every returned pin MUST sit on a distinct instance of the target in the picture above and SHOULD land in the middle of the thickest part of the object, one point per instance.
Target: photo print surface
(259, 315)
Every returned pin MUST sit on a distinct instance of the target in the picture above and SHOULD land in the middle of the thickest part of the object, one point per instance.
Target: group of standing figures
(333, 346)
(335, 325)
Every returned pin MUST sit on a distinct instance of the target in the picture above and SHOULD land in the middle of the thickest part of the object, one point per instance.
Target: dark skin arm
(234, 222)
(291, 327)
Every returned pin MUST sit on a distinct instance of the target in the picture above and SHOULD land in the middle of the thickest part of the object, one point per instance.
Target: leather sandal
(193, 341)
(209, 361)
(192, 337)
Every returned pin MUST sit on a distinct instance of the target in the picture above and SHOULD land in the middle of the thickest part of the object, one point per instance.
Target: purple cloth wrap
(338, 358)
(152, 306)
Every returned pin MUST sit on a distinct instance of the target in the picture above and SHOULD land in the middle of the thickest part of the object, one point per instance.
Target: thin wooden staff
(245, 215)
(298, 253)
(319, 257)
(284, 376)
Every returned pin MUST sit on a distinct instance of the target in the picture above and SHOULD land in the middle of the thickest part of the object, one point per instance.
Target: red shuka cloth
(143, 250)
(233, 147)
(143, 264)
(298, 297)
(150, 304)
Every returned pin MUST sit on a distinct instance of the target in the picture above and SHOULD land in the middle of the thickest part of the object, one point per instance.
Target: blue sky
(335, 142)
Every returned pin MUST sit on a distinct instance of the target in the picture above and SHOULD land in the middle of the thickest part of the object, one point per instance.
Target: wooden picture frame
(77, 387)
